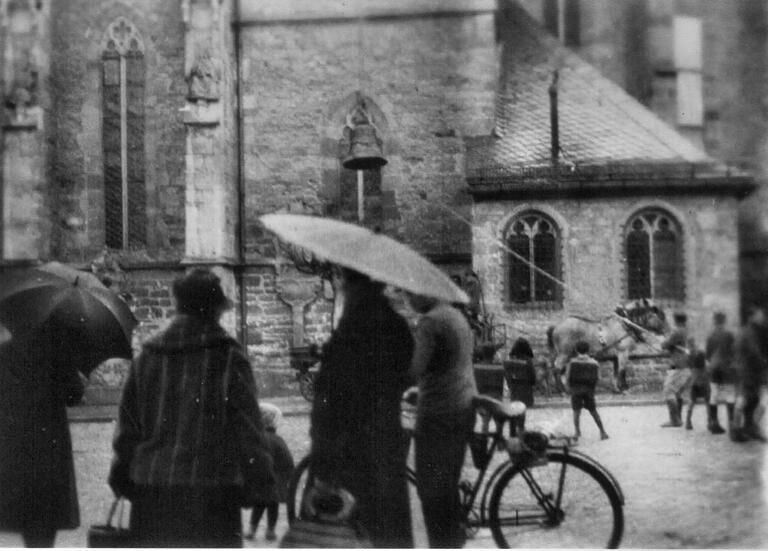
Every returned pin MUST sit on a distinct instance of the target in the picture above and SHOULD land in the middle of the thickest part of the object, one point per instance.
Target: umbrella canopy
(379, 257)
(90, 322)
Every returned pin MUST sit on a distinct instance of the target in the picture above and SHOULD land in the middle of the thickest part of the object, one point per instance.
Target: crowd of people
(731, 369)
(193, 445)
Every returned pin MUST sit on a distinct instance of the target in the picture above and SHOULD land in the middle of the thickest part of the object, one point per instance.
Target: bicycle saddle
(497, 409)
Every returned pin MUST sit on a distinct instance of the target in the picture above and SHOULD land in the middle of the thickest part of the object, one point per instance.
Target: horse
(612, 337)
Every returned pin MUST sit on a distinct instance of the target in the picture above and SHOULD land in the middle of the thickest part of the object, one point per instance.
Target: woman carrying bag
(189, 443)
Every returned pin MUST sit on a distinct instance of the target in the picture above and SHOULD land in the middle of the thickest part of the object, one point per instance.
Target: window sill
(536, 306)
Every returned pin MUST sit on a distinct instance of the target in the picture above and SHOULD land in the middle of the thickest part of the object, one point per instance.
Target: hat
(199, 293)
(270, 415)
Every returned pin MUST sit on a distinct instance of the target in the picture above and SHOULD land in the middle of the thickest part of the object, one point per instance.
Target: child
(699, 381)
(581, 379)
(283, 465)
(520, 375)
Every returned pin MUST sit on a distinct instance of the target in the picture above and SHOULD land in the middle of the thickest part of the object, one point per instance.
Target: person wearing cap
(719, 351)
(679, 374)
(189, 445)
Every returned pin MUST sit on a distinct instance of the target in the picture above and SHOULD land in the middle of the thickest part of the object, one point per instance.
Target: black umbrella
(90, 322)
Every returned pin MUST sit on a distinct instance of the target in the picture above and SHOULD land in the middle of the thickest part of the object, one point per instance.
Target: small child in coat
(520, 375)
(581, 375)
(283, 465)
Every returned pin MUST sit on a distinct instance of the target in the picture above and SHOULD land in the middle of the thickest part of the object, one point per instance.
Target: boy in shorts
(720, 352)
(581, 377)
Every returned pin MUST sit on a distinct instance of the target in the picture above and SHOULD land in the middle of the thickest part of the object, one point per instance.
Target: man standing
(719, 352)
(442, 365)
(753, 371)
(678, 375)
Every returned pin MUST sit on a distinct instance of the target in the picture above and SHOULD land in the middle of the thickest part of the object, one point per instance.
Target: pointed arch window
(535, 241)
(654, 256)
(123, 81)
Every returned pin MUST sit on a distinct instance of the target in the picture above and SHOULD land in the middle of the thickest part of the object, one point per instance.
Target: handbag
(112, 535)
(327, 521)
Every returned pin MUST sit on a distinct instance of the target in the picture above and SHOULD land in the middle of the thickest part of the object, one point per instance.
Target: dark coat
(521, 378)
(37, 475)
(189, 415)
(720, 351)
(283, 465)
(357, 438)
(751, 357)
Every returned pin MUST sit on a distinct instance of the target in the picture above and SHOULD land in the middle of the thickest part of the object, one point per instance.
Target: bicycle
(542, 493)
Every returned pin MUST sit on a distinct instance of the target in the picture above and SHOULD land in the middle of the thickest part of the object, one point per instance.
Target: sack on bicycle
(327, 520)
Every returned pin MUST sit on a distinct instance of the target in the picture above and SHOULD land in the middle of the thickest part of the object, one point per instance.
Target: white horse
(612, 337)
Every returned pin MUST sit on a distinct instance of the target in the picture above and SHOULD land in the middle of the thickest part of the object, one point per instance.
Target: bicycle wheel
(564, 503)
(296, 488)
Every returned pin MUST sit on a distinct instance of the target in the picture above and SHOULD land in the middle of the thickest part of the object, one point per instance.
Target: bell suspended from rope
(364, 143)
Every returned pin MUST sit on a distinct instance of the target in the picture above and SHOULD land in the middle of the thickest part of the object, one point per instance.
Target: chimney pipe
(553, 119)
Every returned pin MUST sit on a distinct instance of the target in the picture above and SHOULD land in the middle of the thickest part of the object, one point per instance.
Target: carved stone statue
(204, 79)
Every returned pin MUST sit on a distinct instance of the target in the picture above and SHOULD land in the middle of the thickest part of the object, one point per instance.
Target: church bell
(364, 144)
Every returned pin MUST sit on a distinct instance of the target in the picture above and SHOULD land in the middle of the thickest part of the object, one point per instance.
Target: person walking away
(358, 442)
(442, 366)
(699, 382)
(752, 364)
(283, 466)
(581, 375)
(189, 445)
(38, 493)
(678, 374)
(719, 351)
(520, 375)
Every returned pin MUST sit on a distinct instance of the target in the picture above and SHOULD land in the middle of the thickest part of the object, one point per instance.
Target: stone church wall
(593, 259)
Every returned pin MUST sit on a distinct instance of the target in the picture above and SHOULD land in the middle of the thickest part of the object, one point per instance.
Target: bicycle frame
(499, 443)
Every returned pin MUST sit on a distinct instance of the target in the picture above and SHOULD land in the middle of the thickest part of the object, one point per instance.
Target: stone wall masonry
(24, 203)
(433, 78)
(77, 32)
(593, 265)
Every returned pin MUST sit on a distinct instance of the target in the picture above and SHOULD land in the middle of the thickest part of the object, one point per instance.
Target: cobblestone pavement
(682, 488)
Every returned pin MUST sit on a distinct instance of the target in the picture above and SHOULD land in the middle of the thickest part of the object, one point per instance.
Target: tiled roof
(599, 123)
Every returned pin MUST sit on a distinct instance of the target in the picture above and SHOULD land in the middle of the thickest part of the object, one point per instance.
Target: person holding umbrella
(61, 320)
(38, 494)
(190, 447)
(358, 443)
(357, 438)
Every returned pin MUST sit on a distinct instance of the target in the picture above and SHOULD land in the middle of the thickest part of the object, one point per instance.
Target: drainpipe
(241, 228)
(553, 120)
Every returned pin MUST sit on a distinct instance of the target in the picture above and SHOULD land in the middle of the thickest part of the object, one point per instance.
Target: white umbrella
(379, 257)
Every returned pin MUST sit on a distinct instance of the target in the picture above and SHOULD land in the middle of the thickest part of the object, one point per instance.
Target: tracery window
(123, 81)
(654, 256)
(535, 241)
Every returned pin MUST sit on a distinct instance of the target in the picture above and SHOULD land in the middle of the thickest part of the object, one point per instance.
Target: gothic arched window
(654, 256)
(534, 240)
(123, 79)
